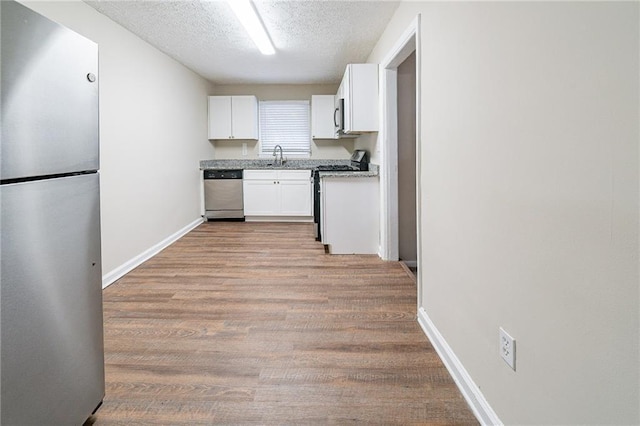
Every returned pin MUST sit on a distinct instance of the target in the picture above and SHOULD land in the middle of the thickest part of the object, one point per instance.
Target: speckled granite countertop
(295, 164)
(372, 172)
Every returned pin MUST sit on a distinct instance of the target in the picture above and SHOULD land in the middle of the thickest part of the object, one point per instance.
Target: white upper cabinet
(359, 89)
(233, 117)
(322, 117)
(244, 117)
(220, 117)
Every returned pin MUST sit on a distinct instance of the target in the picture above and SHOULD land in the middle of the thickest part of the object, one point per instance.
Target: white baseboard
(411, 263)
(292, 219)
(479, 405)
(117, 273)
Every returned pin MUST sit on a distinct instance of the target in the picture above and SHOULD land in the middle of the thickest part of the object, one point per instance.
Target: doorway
(407, 209)
(401, 202)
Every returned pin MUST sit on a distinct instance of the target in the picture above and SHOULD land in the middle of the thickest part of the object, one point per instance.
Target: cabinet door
(361, 98)
(345, 91)
(244, 114)
(261, 197)
(323, 212)
(295, 196)
(322, 120)
(220, 117)
(350, 222)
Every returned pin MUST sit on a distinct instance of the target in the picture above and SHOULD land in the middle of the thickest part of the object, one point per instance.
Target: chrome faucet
(275, 154)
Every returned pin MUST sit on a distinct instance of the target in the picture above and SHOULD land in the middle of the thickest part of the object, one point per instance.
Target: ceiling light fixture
(248, 16)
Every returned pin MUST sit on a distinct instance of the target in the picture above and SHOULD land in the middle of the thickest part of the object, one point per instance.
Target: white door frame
(405, 45)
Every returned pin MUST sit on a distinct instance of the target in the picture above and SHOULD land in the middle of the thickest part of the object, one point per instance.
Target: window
(285, 123)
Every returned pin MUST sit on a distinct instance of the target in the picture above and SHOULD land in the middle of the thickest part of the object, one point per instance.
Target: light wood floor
(245, 323)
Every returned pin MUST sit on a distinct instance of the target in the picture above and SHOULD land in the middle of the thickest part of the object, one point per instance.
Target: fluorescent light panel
(246, 13)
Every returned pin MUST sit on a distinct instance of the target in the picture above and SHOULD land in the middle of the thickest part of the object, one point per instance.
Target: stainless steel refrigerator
(51, 347)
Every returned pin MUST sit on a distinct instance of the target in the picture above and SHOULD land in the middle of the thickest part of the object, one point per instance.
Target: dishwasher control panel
(223, 174)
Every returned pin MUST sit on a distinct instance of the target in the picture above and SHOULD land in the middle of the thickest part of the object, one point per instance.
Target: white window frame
(294, 144)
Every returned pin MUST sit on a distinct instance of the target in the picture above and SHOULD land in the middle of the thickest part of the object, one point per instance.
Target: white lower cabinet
(277, 193)
(350, 215)
(295, 197)
(260, 197)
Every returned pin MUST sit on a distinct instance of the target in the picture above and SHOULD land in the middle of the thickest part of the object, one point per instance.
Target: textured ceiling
(314, 39)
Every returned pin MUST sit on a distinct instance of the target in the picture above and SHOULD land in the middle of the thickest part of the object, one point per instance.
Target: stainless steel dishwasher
(223, 194)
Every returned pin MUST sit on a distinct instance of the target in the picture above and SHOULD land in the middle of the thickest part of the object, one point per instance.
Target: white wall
(320, 149)
(529, 176)
(153, 132)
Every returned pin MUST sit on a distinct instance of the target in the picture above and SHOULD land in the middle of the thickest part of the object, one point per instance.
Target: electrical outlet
(507, 348)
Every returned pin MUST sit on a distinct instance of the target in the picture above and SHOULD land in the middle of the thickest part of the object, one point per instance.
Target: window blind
(285, 123)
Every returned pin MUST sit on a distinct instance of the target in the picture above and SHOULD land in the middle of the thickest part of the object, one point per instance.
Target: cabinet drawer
(294, 174)
(260, 175)
(277, 175)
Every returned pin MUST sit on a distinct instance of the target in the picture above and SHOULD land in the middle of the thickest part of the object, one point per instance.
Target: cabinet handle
(335, 119)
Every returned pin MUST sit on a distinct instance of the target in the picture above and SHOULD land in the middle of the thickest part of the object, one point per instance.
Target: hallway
(253, 323)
